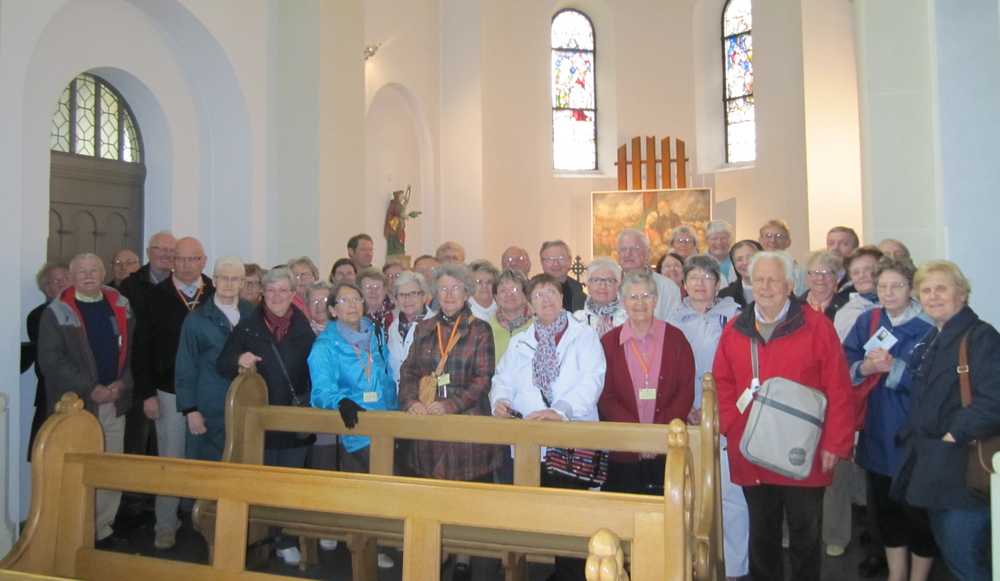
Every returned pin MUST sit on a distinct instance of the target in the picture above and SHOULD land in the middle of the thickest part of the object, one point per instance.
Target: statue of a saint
(395, 222)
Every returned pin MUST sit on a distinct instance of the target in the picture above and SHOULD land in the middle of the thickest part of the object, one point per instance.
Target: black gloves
(349, 412)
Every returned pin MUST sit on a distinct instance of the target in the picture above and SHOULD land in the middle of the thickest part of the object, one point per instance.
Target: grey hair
(277, 274)
(554, 243)
(483, 265)
(233, 261)
(321, 285)
(783, 257)
(643, 239)
(83, 256)
(604, 263)
(457, 271)
(682, 229)
(704, 262)
(718, 227)
(42, 278)
(304, 260)
(408, 276)
(826, 259)
(515, 276)
(644, 277)
(371, 274)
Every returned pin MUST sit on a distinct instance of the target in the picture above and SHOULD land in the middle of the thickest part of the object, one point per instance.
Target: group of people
(630, 343)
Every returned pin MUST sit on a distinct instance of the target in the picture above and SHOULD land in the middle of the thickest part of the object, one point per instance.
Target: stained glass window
(92, 119)
(574, 98)
(737, 51)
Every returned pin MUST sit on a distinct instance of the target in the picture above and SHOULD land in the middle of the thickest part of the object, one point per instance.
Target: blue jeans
(963, 537)
(288, 458)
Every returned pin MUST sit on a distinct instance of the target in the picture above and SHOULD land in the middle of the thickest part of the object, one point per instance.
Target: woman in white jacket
(602, 310)
(410, 293)
(553, 370)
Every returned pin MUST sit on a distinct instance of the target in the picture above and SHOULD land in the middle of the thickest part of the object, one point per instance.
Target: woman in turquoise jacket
(350, 371)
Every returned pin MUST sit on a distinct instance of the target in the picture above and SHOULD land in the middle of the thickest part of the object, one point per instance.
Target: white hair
(604, 263)
(227, 261)
(782, 257)
(643, 239)
(718, 227)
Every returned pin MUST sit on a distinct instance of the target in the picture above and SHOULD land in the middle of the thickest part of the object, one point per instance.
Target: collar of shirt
(781, 314)
(655, 330)
(189, 290)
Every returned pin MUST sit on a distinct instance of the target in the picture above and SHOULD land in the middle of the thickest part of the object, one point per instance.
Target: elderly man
(136, 288)
(84, 344)
(556, 260)
(52, 279)
(516, 258)
(361, 251)
(842, 241)
(125, 263)
(796, 343)
(167, 305)
(719, 239)
(776, 237)
(450, 251)
(633, 255)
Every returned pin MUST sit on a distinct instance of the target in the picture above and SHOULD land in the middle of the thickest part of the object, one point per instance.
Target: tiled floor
(336, 564)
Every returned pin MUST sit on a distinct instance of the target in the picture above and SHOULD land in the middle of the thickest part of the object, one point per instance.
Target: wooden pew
(70, 465)
(248, 418)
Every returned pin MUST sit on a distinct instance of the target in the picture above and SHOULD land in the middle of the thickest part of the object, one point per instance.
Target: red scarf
(278, 326)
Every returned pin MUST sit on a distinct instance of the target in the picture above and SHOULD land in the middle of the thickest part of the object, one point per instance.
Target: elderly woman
(317, 296)
(894, 249)
(740, 290)
(672, 267)
(650, 379)
(201, 391)
(822, 270)
(602, 310)
(799, 344)
(275, 339)
(719, 237)
(305, 274)
(457, 349)
(513, 312)
(378, 305)
(683, 241)
(884, 382)
(860, 266)
(411, 294)
(553, 371)
(940, 427)
(252, 290)
(482, 302)
(701, 317)
(343, 270)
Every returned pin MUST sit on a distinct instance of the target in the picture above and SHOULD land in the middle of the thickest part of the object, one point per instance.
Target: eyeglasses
(229, 279)
(819, 273)
(553, 259)
(451, 290)
(508, 291)
(630, 249)
(349, 301)
(302, 275)
(320, 300)
(370, 286)
(251, 283)
(684, 240)
(775, 236)
(892, 287)
(700, 277)
(188, 259)
(640, 297)
(126, 262)
(410, 294)
(484, 282)
(595, 281)
(513, 259)
(545, 293)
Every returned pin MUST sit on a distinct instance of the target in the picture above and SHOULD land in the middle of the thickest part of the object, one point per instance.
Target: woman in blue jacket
(883, 367)
(350, 371)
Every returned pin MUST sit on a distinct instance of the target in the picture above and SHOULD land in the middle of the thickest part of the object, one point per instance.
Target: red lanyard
(642, 361)
(368, 366)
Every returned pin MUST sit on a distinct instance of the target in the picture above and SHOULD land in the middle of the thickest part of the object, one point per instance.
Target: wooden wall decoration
(650, 162)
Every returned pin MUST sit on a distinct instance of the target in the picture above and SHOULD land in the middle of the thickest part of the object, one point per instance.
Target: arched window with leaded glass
(737, 54)
(574, 96)
(97, 173)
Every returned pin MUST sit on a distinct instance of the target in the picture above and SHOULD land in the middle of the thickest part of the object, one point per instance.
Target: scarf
(404, 325)
(513, 323)
(545, 363)
(382, 317)
(361, 340)
(605, 314)
(278, 326)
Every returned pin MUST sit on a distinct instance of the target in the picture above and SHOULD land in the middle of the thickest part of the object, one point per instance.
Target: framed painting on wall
(655, 212)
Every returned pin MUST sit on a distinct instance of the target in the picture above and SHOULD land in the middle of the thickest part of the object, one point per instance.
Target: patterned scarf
(382, 318)
(361, 339)
(278, 326)
(404, 325)
(514, 323)
(606, 313)
(545, 363)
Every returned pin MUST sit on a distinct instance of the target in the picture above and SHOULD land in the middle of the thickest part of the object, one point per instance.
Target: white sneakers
(290, 555)
(385, 561)
(165, 538)
(328, 544)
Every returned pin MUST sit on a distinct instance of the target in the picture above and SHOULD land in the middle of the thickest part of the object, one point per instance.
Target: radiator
(6, 528)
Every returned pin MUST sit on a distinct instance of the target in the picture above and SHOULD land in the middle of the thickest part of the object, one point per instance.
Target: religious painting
(655, 212)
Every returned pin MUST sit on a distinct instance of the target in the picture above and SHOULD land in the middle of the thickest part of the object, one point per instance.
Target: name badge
(444, 379)
(370, 397)
(744, 400)
(647, 393)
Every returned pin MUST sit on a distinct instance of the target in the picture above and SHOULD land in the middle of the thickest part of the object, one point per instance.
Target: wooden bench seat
(248, 418)
(70, 465)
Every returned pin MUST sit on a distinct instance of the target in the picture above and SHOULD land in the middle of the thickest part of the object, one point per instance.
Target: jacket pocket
(937, 472)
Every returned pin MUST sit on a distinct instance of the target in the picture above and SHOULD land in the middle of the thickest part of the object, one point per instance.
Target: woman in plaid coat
(463, 382)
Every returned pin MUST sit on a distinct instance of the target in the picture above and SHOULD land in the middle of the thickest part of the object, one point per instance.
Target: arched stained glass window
(737, 54)
(92, 119)
(574, 98)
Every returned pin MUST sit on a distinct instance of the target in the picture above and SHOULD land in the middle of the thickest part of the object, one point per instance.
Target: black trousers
(769, 504)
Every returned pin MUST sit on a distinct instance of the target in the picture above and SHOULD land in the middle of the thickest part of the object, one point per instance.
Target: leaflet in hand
(882, 339)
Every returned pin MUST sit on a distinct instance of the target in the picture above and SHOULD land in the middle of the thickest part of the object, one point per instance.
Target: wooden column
(682, 181)
(636, 163)
(622, 170)
(650, 163)
(422, 549)
(230, 538)
(665, 163)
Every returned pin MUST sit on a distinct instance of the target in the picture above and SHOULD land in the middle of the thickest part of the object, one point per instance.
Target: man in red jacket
(799, 344)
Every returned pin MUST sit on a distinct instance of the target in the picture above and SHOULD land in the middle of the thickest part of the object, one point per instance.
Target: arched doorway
(97, 173)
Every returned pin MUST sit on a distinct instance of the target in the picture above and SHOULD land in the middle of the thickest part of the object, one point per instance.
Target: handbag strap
(964, 382)
(753, 360)
(284, 371)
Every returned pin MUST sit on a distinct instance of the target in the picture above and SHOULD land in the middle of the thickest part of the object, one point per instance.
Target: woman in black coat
(939, 430)
(740, 255)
